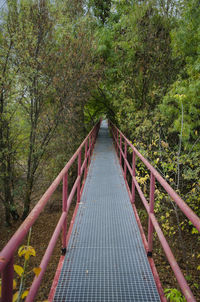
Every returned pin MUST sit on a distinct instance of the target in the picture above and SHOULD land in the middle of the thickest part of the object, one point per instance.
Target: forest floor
(43, 230)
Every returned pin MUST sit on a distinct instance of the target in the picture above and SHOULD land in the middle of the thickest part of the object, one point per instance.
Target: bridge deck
(105, 259)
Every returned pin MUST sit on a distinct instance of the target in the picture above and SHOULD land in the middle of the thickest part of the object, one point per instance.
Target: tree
(180, 107)
(7, 112)
(139, 64)
(34, 49)
(101, 9)
(52, 53)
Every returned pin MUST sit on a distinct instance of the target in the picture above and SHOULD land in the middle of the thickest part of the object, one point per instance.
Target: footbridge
(105, 254)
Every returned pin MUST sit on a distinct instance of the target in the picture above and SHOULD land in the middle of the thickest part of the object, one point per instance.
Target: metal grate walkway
(105, 259)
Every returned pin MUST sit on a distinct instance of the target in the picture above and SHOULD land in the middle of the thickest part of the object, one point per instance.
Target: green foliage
(101, 9)
(47, 75)
(173, 295)
(186, 89)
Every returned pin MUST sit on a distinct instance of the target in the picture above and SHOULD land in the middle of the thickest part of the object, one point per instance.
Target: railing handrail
(153, 223)
(8, 251)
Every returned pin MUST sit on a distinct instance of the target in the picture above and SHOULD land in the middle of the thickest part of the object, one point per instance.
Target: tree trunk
(27, 200)
(7, 213)
(6, 171)
(27, 203)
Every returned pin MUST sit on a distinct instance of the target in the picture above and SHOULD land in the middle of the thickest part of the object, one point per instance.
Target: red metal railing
(119, 141)
(7, 254)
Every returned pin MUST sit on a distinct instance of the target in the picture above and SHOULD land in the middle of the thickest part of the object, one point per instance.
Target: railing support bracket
(149, 254)
(63, 251)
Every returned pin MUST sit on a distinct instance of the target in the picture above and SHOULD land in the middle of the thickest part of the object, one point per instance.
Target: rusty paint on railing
(118, 136)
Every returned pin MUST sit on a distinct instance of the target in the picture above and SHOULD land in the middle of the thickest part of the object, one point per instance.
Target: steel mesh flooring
(105, 260)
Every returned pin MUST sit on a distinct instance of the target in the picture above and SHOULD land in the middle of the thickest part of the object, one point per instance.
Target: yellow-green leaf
(15, 296)
(18, 269)
(25, 294)
(14, 284)
(30, 251)
(37, 271)
(21, 250)
(194, 231)
(27, 251)
(198, 267)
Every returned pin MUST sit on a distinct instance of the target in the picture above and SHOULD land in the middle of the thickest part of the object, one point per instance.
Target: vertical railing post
(125, 153)
(151, 210)
(120, 158)
(89, 157)
(133, 175)
(95, 135)
(64, 209)
(116, 138)
(92, 141)
(115, 134)
(79, 175)
(7, 282)
(117, 141)
(85, 172)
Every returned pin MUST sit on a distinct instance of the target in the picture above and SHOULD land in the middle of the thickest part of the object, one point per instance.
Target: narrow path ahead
(105, 259)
